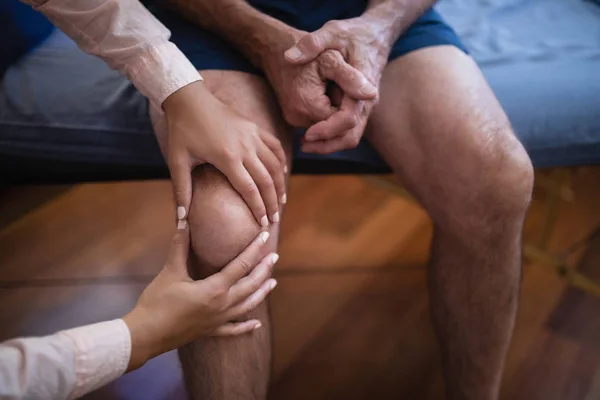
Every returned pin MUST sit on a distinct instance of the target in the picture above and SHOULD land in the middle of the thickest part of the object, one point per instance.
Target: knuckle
(277, 144)
(250, 188)
(248, 306)
(352, 142)
(352, 120)
(181, 193)
(265, 180)
(177, 241)
(227, 154)
(330, 59)
(218, 292)
(311, 41)
(334, 24)
(246, 266)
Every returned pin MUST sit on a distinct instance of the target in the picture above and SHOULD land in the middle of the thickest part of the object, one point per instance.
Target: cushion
(21, 29)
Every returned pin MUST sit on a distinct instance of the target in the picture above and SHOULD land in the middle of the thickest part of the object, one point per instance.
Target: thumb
(181, 176)
(180, 248)
(311, 45)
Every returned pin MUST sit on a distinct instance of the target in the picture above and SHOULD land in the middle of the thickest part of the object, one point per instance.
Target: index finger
(245, 262)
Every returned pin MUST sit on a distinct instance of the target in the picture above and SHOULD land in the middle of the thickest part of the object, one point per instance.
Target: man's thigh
(439, 125)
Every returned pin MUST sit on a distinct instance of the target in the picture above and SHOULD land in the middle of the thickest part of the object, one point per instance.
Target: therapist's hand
(175, 310)
(201, 129)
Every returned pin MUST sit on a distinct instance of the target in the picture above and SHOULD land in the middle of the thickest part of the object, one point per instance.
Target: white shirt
(65, 365)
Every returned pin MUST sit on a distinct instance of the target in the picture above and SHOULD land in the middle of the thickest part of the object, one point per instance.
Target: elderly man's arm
(395, 16)
(254, 34)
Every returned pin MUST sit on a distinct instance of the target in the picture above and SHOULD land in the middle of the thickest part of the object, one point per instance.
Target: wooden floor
(350, 313)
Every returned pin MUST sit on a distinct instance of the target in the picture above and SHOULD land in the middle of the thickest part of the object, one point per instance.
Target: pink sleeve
(67, 364)
(102, 354)
(128, 38)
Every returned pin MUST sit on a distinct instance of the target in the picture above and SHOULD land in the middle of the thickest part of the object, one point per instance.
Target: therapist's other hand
(201, 129)
(175, 310)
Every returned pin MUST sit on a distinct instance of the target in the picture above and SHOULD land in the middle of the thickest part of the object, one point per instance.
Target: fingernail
(181, 224)
(257, 326)
(276, 217)
(294, 53)
(274, 258)
(285, 169)
(264, 236)
(272, 284)
(284, 199)
(180, 212)
(264, 221)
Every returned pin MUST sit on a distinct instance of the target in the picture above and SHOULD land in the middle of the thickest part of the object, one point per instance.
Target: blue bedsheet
(542, 58)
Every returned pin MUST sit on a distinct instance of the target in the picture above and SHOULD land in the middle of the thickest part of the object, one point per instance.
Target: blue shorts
(207, 50)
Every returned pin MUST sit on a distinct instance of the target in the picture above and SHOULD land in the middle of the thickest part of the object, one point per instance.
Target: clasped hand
(356, 54)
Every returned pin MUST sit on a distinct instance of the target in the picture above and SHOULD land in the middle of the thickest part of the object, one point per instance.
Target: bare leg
(221, 227)
(440, 127)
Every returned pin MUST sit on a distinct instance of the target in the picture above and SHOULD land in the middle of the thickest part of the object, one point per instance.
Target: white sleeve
(128, 38)
(65, 365)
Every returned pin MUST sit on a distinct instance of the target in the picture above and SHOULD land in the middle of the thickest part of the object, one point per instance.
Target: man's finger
(311, 45)
(348, 78)
(244, 263)
(330, 146)
(263, 179)
(319, 107)
(237, 328)
(181, 176)
(241, 181)
(180, 248)
(347, 118)
(251, 283)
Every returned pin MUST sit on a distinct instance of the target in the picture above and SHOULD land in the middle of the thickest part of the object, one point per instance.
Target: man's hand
(302, 89)
(364, 46)
(175, 310)
(201, 129)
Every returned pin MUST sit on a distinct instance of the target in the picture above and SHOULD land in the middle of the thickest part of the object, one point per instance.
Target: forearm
(395, 16)
(128, 38)
(254, 34)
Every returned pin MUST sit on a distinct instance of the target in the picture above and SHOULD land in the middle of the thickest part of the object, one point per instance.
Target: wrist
(144, 342)
(193, 92)
(274, 43)
(386, 19)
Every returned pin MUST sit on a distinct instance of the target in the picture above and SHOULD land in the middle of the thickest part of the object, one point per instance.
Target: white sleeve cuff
(160, 71)
(102, 354)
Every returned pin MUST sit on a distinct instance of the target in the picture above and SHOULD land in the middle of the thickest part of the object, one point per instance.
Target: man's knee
(221, 224)
(507, 174)
(495, 188)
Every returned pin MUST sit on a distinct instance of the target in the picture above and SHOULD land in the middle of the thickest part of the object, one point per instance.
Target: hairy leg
(440, 127)
(221, 227)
